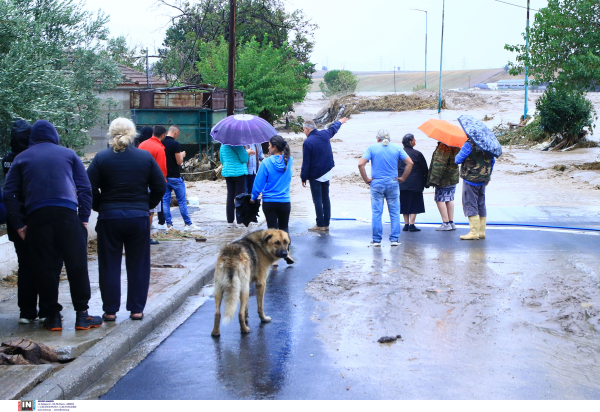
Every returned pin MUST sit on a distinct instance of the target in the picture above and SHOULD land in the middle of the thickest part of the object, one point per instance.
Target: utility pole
(441, 58)
(394, 79)
(425, 11)
(231, 70)
(526, 64)
(147, 71)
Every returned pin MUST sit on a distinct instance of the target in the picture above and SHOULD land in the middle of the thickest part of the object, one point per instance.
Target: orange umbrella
(445, 132)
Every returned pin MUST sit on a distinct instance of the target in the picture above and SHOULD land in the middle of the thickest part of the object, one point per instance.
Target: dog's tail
(231, 294)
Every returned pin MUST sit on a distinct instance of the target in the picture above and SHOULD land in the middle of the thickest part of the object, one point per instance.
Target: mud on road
(497, 318)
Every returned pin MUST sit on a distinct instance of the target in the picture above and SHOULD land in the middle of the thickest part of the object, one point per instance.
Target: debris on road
(388, 339)
(23, 351)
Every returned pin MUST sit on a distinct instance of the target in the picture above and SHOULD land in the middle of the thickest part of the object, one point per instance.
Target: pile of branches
(351, 104)
(201, 167)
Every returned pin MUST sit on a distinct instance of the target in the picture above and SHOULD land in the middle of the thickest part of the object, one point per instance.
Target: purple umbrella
(242, 129)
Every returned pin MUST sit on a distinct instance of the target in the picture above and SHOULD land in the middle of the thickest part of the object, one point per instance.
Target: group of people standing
(391, 164)
(49, 196)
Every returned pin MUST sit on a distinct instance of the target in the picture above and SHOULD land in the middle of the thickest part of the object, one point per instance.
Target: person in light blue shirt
(384, 158)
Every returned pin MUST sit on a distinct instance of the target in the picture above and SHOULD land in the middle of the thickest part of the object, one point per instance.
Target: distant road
(407, 80)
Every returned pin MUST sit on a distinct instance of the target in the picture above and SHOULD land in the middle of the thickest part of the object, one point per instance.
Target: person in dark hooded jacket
(19, 141)
(145, 134)
(48, 200)
(27, 295)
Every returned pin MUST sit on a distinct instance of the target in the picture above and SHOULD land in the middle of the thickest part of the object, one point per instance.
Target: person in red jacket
(157, 150)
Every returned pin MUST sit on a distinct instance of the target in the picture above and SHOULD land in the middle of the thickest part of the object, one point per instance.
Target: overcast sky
(370, 34)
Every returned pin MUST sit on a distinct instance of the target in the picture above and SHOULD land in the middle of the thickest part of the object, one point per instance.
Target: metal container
(195, 109)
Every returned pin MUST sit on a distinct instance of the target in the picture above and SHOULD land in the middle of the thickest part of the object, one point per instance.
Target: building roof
(136, 79)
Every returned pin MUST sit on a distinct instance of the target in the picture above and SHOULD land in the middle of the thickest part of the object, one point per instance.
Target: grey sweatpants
(473, 199)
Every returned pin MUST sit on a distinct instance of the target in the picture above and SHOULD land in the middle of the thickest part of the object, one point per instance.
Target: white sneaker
(190, 228)
(153, 226)
(162, 227)
(27, 321)
(444, 227)
(394, 243)
(453, 226)
(231, 225)
(375, 244)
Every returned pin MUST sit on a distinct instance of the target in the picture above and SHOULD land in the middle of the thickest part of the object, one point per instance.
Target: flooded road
(514, 316)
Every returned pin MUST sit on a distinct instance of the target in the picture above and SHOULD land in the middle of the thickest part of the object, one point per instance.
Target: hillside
(406, 81)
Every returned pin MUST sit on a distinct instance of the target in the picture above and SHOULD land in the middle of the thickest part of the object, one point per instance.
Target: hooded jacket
(273, 180)
(44, 175)
(19, 141)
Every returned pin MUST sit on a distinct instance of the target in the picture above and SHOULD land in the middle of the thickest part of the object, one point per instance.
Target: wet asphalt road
(289, 359)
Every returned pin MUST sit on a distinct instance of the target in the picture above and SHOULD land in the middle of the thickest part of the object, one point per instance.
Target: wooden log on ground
(31, 351)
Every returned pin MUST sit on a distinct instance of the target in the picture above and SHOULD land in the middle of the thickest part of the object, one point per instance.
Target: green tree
(564, 45)
(566, 113)
(208, 21)
(338, 83)
(119, 52)
(270, 77)
(52, 66)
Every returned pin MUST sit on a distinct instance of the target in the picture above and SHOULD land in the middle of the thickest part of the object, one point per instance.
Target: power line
(516, 5)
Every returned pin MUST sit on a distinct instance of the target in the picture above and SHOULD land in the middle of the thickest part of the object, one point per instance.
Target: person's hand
(250, 152)
(85, 224)
(22, 232)
(252, 201)
(401, 180)
(343, 120)
(368, 181)
(303, 184)
(182, 155)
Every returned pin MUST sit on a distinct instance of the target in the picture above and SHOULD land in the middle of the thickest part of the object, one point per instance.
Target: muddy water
(513, 317)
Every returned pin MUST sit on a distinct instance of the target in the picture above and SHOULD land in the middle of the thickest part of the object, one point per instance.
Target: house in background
(120, 97)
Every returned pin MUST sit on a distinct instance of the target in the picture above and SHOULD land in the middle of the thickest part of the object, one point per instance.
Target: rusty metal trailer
(195, 109)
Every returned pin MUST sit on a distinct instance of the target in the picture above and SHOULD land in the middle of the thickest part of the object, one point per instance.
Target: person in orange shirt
(157, 150)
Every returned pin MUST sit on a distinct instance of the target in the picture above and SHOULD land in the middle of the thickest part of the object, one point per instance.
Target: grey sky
(370, 34)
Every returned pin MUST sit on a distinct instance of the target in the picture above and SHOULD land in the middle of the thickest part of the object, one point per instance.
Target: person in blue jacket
(317, 163)
(48, 200)
(273, 180)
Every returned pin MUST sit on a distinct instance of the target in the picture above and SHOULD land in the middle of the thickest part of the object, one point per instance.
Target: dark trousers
(53, 232)
(250, 183)
(27, 296)
(320, 195)
(277, 215)
(161, 217)
(473, 198)
(134, 234)
(235, 186)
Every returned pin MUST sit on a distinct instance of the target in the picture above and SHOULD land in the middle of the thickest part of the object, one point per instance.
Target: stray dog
(239, 264)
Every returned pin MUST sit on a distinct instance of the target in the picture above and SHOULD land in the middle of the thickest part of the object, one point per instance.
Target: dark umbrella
(245, 211)
(481, 135)
(242, 129)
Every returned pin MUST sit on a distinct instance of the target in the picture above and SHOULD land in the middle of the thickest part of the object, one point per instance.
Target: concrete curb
(88, 368)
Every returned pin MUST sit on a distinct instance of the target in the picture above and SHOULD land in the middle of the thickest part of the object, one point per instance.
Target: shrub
(566, 113)
(337, 83)
(418, 87)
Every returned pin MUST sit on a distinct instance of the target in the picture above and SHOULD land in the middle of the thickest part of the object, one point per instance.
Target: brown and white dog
(239, 264)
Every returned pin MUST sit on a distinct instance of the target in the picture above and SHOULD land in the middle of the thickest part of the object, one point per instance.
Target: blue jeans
(390, 191)
(320, 196)
(178, 186)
